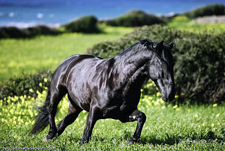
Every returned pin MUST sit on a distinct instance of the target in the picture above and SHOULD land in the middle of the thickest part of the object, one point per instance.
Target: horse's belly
(80, 98)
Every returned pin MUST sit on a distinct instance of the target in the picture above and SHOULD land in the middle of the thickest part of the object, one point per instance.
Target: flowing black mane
(142, 43)
(165, 53)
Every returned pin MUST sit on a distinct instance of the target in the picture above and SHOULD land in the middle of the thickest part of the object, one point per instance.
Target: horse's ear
(171, 44)
(144, 42)
(159, 47)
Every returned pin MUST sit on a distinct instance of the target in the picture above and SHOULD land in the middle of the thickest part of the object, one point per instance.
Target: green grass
(167, 128)
(183, 23)
(46, 52)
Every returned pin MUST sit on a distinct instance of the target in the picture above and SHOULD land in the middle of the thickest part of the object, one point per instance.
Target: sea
(26, 13)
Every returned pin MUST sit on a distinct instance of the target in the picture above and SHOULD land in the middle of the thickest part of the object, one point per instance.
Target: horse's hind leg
(55, 97)
(71, 116)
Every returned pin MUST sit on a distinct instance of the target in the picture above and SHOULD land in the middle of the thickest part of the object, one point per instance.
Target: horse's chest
(120, 105)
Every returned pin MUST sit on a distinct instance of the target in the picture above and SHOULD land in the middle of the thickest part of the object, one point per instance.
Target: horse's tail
(42, 119)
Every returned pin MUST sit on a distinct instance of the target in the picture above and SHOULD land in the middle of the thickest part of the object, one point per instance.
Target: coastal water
(23, 13)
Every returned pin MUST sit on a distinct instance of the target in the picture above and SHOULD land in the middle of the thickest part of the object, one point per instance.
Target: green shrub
(209, 10)
(41, 30)
(199, 70)
(13, 32)
(87, 24)
(28, 85)
(135, 18)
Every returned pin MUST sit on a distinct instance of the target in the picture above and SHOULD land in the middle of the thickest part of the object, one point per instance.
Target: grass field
(167, 128)
(46, 52)
(185, 24)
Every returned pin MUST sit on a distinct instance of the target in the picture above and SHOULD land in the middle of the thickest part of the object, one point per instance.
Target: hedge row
(87, 24)
(200, 60)
(135, 18)
(13, 32)
(209, 10)
(28, 85)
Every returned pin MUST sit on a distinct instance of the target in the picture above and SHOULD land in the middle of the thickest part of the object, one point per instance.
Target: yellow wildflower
(31, 90)
(158, 94)
(175, 106)
(45, 80)
(40, 84)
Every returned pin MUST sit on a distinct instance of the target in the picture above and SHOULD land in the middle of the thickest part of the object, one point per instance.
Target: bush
(87, 24)
(135, 18)
(41, 30)
(13, 32)
(209, 10)
(28, 85)
(199, 70)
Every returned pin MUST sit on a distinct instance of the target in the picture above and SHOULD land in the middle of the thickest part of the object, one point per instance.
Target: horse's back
(63, 72)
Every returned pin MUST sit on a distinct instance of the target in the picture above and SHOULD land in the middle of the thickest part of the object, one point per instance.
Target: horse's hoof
(82, 142)
(131, 141)
(45, 139)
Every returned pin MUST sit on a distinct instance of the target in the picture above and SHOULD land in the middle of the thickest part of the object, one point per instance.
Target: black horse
(107, 88)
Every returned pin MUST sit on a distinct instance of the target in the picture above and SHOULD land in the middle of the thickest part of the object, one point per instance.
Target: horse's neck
(132, 67)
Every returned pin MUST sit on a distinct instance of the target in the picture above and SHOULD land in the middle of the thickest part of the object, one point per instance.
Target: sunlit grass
(185, 24)
(46, 52)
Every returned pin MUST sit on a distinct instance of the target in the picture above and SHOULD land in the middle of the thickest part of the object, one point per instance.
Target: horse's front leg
(93, 116)
(140, 117)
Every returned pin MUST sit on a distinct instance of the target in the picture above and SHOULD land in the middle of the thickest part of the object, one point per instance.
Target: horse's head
(161, 68)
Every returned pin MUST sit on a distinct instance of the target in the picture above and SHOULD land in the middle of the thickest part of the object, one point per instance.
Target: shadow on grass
(172, 140)
(155, 141)
(152, 140)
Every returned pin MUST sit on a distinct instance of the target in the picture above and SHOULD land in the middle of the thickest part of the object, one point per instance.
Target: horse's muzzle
(170, 94)
(167, 90)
